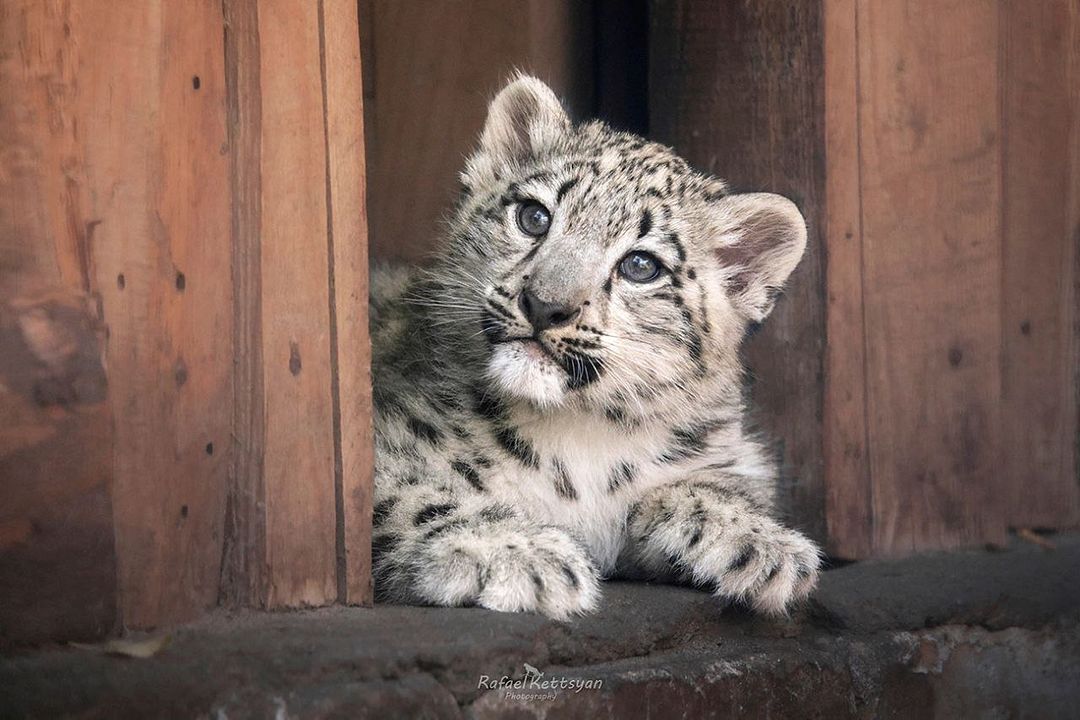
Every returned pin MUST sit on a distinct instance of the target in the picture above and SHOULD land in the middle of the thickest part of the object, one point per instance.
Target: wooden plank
(152, 113)
(436, 63)
(848, 506)
(737, 89)
(57, 554)
(298, 462)
(1042, 121)
(244, 571)
(351, 346)
(930, 141)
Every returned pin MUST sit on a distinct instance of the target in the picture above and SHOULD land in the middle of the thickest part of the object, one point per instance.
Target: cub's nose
(543, 315)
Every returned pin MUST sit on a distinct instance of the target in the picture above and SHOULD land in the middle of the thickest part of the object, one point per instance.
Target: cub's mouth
(532, 346)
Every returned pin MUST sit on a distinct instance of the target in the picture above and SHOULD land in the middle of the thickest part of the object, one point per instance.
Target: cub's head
(593, 268)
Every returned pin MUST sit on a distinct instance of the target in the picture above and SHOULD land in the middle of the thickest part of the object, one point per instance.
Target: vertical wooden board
(930, 144)
(1040, 48)
(351, 351)
(298, 461)
(847, 478)
(737, 89)
(243, 570)
(435, 65)
(152, 110)
(57, 556)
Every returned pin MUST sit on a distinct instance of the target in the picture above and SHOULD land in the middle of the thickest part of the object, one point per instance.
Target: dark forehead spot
(565, 188)
(645, 225)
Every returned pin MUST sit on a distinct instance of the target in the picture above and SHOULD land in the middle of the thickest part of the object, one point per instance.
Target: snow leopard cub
(558, 397)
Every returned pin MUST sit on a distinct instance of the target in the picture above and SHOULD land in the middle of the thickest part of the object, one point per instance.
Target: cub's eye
(533, 218)
(640, 267)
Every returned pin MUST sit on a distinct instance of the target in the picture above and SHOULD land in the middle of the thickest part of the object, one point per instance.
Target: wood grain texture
(737, 89)
(1040, 55)
(159, 205)
(435, 65)
(244, 570)
(351, 349)
(298, 462)
(57, 558)
(848, 512)
(930, 140)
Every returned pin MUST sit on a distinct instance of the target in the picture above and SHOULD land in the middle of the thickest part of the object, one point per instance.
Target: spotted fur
(517, 466)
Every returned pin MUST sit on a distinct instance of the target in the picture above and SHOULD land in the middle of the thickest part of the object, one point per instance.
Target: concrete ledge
(945, 635)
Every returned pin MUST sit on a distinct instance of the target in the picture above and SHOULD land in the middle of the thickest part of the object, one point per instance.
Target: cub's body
(558, 398)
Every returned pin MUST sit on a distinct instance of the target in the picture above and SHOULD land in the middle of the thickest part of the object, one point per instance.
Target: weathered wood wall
(952, 170)
(183, 276)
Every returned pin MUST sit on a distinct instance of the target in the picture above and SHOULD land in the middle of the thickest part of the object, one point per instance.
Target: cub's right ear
(524, 121)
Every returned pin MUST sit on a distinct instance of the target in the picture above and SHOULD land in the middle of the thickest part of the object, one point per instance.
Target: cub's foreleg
(708, 532)
(441, 545)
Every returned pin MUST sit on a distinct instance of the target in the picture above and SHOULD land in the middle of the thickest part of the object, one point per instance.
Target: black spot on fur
(570, 575)
(691, 274)
(382, 511)
(673, 238)
(742, 559)
(607, 286)
(697, 517)
(565, 188)
(686, 443)
(425, 430)
(468, 472)
(563, 486)
(452, 525)
(619, 476)
(495, 513)
(583, 369)
(382, 545)
(517, 446)
(615, 414)
(499, 309)
(487, 406)
(432, 512)
(645, 225)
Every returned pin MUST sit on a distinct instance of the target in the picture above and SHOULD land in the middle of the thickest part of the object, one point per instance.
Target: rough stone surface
(974, 634)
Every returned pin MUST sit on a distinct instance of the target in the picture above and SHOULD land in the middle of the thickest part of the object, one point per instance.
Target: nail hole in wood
(209, 448)
(294, 358)
(196, 82)
(181, 281)
(121, 282)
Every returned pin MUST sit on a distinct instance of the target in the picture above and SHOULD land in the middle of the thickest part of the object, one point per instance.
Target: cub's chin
(523, 369)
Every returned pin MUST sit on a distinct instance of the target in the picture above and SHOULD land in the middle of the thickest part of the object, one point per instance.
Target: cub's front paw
(771, 567)
(511, 569)
(720, 541)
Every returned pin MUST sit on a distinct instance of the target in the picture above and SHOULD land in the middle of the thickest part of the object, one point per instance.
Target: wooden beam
(1040, 74)
(848, 512)
(351, 346)
(58, 569)
(930, 163)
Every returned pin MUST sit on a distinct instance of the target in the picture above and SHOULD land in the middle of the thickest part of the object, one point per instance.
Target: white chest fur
(592, 451)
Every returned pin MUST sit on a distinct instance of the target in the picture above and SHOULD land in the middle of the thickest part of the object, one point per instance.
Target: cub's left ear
(760, 239)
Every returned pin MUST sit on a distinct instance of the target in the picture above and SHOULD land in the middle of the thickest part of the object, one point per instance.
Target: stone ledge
(949, 634)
